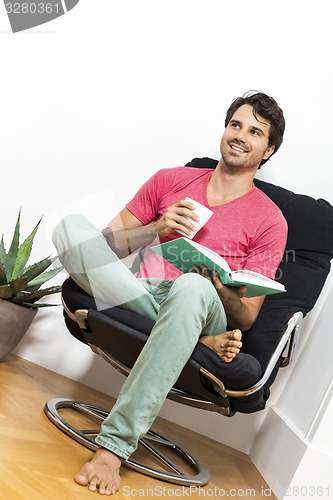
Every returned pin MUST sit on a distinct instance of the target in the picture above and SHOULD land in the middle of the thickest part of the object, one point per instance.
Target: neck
(226, 184)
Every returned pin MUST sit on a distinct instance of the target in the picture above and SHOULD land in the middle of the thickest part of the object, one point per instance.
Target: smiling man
(246, 228)
(245, 142)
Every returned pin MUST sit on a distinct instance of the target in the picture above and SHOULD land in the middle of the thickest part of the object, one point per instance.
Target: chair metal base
(152, 442)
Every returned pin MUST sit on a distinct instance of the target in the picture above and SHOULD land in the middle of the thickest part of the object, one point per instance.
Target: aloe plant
(20, 283)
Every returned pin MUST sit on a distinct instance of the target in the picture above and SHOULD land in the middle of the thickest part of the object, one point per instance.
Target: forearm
(126, 233)
(241, 314)
(241, 311)
(127, 240)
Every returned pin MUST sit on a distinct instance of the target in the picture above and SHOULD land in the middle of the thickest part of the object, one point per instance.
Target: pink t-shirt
(250, 232)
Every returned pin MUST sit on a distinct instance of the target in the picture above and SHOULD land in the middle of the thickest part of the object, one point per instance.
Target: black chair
(118, 336)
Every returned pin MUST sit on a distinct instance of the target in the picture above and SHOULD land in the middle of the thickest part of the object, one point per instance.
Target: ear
(268, 153)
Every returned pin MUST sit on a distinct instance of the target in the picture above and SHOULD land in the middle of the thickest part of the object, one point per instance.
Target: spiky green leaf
(13, 250)
(28, 297)
(38, 268)
(18, 285)
(21, 284)
(34, 271)
(42, 278)
(38, 305)
(5, 292)
(3, 253)
(23, 253)
(3, 276)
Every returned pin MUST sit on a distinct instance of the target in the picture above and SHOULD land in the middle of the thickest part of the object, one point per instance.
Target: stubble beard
(234, 165)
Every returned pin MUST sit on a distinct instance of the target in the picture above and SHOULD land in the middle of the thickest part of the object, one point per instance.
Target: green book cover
(184, 254)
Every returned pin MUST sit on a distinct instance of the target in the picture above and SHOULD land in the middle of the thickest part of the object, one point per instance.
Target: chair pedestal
(176, 465)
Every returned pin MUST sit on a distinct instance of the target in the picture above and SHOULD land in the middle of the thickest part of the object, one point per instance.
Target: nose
(240, 135)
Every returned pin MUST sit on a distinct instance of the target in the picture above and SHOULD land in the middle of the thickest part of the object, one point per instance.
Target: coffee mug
(202, 212)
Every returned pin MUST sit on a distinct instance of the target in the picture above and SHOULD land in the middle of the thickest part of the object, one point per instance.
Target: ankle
(108, 455)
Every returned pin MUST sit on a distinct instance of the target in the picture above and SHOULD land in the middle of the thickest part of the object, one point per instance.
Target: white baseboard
(277, 452)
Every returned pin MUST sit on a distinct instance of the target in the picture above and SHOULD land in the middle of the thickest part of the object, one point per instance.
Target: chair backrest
(303, 270)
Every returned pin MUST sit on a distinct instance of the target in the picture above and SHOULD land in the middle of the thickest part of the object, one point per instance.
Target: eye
(255, 132)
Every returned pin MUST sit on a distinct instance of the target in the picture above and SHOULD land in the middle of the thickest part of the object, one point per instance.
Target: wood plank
(38, 461)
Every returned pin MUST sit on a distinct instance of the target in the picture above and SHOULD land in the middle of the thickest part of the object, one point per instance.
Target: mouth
(237, 148)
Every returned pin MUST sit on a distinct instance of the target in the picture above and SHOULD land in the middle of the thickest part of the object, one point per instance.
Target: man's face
(245, 140)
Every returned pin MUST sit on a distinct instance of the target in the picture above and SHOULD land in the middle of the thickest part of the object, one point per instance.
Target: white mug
(202, 212)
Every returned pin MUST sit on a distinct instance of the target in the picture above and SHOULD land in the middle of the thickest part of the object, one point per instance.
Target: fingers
(179, 216)
(203, 270)
(225, 291)
(213, 276)
(182, 212)
(185, 204)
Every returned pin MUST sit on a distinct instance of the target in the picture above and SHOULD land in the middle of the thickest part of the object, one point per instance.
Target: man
(246, 228)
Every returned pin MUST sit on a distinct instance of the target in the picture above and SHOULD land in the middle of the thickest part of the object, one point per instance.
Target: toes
(229, 355)
(227, 359)
(81, 478)
(235, 335)
(231, 351)
(234, 339)
(101, 474)
(103, 489)
(107, 488)
(92, 485)
(232, 346)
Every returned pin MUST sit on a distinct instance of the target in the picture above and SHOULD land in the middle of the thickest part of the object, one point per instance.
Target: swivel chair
(118, 336)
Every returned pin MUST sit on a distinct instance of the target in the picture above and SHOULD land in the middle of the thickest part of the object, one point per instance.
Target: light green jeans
(183, 309)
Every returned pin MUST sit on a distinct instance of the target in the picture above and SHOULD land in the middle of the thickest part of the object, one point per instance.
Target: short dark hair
(265, 106)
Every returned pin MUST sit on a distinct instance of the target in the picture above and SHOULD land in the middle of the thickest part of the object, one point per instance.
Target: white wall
(294, 446)
(96, 101)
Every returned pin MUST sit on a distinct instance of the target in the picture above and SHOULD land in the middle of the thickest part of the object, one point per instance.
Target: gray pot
(14, 322)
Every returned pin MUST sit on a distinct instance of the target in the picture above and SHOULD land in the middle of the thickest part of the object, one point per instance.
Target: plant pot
(14, 323)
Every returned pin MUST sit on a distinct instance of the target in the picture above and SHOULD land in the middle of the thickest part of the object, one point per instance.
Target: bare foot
(227, 345)
(101, 473)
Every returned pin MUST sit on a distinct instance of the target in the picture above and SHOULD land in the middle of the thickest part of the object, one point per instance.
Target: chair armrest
(290, 334)
(293, 341)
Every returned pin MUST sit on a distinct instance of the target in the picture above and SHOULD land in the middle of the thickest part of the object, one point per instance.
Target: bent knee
(67, 225)
(194, 285)
(192, 279)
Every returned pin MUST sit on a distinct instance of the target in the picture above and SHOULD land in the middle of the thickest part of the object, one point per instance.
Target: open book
(184, 254)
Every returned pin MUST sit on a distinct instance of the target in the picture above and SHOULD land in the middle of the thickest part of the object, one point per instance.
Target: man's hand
(174, 218)
(230, 296)
(125, 233)
(241, 311)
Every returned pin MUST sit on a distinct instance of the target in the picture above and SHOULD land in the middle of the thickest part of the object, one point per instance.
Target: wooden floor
(38, 461)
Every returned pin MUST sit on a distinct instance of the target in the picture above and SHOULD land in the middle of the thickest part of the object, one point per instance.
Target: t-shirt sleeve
(268, 247)
(145, 203)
